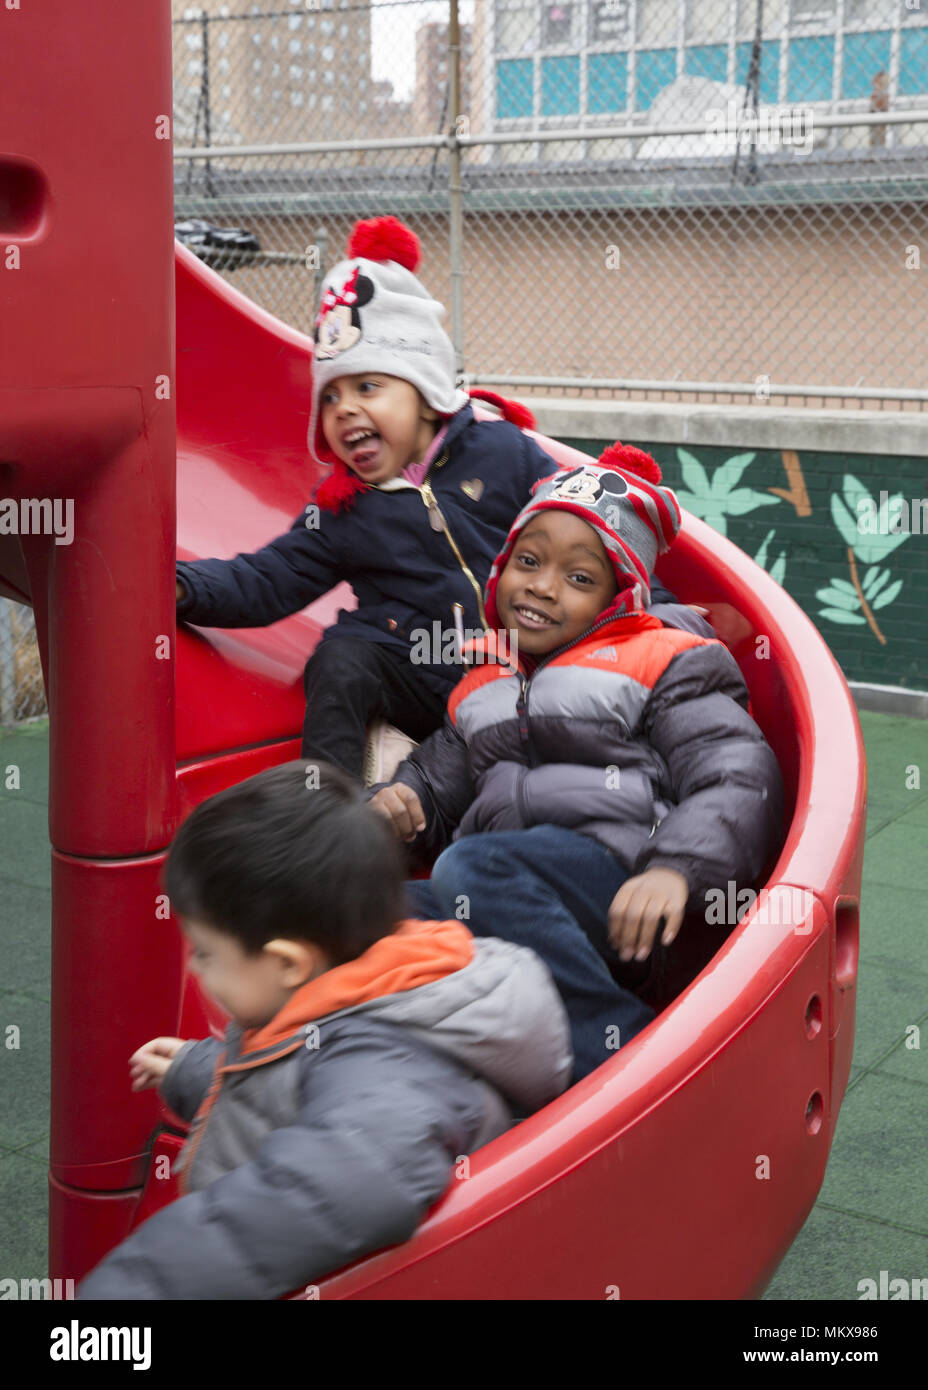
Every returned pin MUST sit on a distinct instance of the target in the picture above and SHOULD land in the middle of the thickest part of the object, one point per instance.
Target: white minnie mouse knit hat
(376, 316)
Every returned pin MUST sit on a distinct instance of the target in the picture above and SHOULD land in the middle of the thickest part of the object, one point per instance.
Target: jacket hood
(417, 953)
(488, 1003)
(500, 1015)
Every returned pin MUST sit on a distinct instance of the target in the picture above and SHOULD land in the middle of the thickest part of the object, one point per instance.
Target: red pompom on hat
(626, 458)
(385, 239)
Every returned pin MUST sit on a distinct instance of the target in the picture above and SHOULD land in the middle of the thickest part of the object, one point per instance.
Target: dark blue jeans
(550, 889)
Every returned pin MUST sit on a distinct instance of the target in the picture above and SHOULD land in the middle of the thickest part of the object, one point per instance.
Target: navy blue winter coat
(405, 573)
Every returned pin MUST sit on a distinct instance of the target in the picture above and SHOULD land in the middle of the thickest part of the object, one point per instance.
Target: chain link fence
(22, 692)
(653, 199)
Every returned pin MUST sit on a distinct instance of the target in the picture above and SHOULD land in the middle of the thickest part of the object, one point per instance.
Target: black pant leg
(349, 681)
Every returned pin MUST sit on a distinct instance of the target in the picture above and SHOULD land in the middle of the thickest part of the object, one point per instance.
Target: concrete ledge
(757, 426)
(890, 699)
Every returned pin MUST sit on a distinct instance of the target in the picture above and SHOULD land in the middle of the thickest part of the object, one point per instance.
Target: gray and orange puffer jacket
(332, 1130)
(637, 735)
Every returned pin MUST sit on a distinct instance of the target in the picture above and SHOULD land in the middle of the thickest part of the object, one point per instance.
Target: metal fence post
(456, 206)
(7, 671)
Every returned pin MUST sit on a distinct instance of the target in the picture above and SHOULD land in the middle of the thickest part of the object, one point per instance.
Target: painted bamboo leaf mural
(777, 570)
(717, 499)
(870, 535)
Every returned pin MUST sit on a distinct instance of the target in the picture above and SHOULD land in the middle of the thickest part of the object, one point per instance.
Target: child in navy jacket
(418, 504)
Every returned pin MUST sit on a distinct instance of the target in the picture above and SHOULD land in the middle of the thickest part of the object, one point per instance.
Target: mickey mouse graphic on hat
(583, 485)
(338, 323)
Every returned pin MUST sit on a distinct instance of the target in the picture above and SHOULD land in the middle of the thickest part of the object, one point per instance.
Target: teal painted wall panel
(514, 78)
(864, 56)
(560, 86)
(657, 68)
(607, 76)
(708, 60)
(769, 68)
(858, 569)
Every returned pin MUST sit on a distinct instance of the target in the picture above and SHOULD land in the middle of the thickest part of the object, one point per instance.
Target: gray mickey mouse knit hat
(376, 316)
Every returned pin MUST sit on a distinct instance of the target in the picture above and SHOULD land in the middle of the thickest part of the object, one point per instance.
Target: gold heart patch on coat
(473, 487)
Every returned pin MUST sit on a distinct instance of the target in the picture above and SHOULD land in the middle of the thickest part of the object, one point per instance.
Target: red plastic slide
(685, 1166)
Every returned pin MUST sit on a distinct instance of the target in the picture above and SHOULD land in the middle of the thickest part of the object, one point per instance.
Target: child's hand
(149, 1064)
(400, 804)
(637, 908)
(181, 591)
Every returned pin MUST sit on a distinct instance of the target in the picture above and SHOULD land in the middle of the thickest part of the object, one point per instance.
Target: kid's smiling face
(556, 582)
(376, 424)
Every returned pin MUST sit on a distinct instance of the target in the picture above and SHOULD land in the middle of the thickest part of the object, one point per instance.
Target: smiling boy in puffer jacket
(600, 776)
(366, 1054)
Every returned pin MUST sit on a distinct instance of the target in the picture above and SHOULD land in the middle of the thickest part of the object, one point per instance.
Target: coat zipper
(438, 523)
(525, 733)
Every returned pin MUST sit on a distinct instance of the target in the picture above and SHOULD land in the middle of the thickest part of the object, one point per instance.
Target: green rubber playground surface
(872, 1212)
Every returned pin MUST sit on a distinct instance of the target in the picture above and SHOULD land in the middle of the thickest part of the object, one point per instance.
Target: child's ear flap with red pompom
(513, 411)
(631, 460)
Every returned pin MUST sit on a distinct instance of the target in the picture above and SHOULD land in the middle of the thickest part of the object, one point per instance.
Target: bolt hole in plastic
(815, 1111)
(23, 197)
(847, 940)
(813, 1016)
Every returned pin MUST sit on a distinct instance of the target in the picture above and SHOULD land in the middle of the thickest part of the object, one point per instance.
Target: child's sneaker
(386, 749)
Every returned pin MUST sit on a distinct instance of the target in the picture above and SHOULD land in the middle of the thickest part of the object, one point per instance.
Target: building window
(556, 24)
(296, 98)
(658, 22)
(769, 69)
(607, 80)
(870, 13)
(514, 80)
(560, 86)
(328, 53)
(515, 28)
(609, 21)
(706, 22)
(811, 68)
(775, 12)
(811, 11)
(913, 62)
(865, 55)
(328, 103)
(707, 60)
(295, 72)
(296, 46)
(657, 68)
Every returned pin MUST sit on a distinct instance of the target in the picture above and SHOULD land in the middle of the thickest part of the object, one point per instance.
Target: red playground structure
(686, 1165)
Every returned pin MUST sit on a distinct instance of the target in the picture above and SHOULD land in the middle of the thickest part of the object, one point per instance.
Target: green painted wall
(870, 605)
